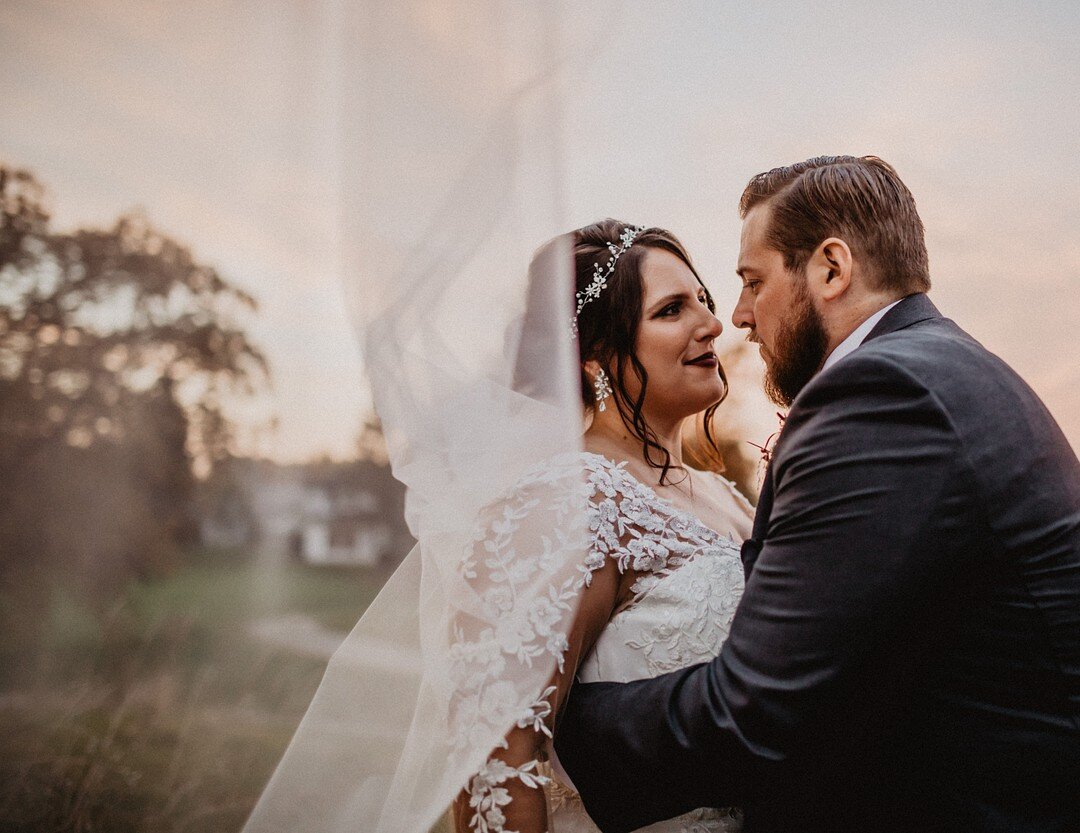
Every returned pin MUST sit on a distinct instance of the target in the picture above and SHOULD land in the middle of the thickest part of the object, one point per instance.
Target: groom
(906, 656)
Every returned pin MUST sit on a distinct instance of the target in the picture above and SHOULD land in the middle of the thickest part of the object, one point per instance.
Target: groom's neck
(841, 320)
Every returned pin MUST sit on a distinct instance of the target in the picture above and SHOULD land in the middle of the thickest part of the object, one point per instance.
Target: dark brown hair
(608, 326)
(861, 200)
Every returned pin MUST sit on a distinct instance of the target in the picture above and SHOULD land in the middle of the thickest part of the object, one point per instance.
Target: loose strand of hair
(650, 442)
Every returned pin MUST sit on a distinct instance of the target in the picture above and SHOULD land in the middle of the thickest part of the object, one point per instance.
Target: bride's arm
(507, 794)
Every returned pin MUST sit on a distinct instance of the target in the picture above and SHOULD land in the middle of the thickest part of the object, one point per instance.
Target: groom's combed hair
(859, 199)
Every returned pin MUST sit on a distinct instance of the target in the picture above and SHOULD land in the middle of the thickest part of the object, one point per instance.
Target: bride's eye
(671, 309)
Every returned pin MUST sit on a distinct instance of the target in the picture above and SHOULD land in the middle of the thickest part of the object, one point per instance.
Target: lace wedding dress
(690, 579)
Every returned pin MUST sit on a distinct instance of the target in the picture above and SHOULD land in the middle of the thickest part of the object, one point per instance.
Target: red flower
(767, 447)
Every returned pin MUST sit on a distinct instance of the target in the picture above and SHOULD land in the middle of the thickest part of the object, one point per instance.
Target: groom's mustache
(752, 338)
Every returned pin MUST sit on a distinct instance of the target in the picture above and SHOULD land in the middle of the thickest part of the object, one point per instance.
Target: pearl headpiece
(602, 273)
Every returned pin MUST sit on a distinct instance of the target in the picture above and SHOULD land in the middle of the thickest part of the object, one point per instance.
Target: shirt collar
(857, 336)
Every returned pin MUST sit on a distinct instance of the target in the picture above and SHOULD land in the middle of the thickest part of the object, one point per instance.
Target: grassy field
(163, 712)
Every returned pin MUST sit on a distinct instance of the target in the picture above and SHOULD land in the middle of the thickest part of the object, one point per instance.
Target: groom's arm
(867, 459)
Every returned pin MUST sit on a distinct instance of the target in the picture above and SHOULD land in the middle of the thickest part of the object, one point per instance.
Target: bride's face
(675, 340)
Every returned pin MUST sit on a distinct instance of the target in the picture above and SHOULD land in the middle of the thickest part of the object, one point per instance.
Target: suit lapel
(910, 310)
(752, 546)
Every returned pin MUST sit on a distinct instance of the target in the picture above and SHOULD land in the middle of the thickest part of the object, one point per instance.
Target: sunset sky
(219, 118)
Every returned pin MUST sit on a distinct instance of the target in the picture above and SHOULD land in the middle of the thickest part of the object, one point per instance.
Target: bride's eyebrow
(674, 296)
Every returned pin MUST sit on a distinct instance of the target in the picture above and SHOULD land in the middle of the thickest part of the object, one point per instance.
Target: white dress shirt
(856, 337)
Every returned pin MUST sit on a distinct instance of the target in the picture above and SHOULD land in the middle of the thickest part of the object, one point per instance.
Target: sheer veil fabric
(450, 181)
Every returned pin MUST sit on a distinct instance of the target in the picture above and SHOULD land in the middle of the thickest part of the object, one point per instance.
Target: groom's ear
(829, 269)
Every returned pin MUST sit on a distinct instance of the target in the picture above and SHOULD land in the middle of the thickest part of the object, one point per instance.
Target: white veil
(450, 182)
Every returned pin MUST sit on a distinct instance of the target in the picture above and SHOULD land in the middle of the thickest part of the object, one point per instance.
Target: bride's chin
(692, 407)
(687, 400)
(708, 398)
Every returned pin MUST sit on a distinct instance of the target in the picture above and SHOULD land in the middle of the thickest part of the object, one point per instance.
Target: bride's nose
(710, 327)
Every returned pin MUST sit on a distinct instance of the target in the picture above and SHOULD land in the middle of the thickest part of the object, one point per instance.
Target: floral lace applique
(487, 796)
(527, 536)
(688, 619)
(638, 528)
(536, 715)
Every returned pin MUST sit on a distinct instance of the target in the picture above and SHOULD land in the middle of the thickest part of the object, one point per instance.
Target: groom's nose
(743, 314)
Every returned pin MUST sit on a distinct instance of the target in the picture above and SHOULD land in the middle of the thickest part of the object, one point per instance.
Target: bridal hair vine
(602, 273)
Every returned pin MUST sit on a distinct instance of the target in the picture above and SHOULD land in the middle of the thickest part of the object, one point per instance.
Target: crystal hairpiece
(602, 273)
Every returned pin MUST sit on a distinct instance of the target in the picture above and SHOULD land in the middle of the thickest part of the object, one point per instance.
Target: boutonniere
(766, 448)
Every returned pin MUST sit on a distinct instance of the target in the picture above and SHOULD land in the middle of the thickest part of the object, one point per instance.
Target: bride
(662, 568)
(544, 556)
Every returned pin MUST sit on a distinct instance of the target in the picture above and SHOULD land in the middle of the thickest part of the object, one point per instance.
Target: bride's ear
(591, 368)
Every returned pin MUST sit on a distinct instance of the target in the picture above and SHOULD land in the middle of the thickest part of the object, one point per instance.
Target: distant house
(328, 513)
(343, 523)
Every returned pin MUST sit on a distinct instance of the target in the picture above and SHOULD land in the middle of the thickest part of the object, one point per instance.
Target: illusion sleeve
(536, 598)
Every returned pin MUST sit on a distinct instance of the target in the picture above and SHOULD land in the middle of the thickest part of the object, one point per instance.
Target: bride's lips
(704, 360)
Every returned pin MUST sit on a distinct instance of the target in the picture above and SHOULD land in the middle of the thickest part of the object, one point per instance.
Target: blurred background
(195, 498)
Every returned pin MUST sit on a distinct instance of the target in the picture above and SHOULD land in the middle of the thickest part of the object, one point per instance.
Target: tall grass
(164, 713)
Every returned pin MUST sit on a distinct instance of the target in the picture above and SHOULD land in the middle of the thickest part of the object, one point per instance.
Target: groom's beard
(799, 351)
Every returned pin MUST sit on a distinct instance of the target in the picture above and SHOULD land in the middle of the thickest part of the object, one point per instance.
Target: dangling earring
(603, 389)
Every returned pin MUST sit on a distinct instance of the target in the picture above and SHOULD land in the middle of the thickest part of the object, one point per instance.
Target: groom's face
(775, 306)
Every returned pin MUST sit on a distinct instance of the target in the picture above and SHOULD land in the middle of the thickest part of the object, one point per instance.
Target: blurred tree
(117, 351)
(371, 441)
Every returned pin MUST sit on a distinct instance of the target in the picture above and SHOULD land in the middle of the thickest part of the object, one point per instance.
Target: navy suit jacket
(906, 655)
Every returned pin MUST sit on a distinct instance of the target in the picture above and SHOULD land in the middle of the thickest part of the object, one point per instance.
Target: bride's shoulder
(562, 482)
(571, 482)
(591, 470)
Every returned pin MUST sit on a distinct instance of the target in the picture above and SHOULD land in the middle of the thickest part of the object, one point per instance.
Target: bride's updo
(608, 325)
